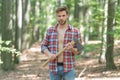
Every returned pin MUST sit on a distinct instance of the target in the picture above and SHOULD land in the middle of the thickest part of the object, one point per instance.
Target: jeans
(61, 75)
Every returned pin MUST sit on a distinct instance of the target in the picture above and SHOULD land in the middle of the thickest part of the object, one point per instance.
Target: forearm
(51, 56)
(47, 52)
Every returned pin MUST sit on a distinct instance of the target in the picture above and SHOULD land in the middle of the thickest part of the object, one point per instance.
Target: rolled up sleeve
(44, 44)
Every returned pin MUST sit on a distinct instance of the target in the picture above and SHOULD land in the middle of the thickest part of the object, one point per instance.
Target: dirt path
(31, 61)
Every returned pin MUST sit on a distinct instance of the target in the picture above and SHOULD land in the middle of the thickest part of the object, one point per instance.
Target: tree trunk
(25, 22)
(36, 24)
(58, 2)
(0, 19)
(6, 18)
(110, 36)
(103, 31)
(18, 28)
(118, 2)
(76, 11)
(18, 25)
(8, 63)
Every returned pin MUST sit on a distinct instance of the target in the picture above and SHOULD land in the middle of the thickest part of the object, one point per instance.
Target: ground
(87, 68)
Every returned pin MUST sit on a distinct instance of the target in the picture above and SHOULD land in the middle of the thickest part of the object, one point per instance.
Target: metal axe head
(78, 45)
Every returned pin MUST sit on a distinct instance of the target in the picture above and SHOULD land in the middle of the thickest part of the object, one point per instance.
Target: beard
(62, 22)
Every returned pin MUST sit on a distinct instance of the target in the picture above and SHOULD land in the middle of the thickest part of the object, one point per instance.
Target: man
(57, 37)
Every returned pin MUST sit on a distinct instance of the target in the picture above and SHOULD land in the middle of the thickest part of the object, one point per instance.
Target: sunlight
(29, 75)
(35, 49)
(94, 75)
(24, 65)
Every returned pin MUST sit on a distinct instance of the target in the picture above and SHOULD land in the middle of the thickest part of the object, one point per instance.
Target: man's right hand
(52, 56)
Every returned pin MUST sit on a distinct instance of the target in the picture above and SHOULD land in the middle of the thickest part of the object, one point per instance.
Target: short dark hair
(63, 8)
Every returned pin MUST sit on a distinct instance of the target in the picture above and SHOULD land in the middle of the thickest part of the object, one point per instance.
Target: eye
(63, 15)
(59, 16)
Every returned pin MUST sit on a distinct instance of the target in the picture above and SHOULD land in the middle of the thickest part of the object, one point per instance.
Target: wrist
(49, 55)
(74, 50)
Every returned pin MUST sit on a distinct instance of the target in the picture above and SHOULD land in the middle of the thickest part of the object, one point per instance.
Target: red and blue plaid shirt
(50, 42)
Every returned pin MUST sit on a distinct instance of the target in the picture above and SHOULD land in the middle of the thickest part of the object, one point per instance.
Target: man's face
(62, 17)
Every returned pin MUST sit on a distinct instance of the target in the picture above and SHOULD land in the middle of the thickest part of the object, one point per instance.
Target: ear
(68, 15)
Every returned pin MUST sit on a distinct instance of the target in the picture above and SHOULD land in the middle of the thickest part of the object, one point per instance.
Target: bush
(7, 55)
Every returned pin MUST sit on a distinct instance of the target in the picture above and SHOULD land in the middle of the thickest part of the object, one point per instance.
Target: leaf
(8, 42)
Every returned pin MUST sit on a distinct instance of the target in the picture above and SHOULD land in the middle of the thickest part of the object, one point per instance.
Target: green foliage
(96, 20)
(5, 48)
(9, 50)
(45, 17)
(92, 47)
(74, 23)
(5, 43)
(117, 23)
(117, 33)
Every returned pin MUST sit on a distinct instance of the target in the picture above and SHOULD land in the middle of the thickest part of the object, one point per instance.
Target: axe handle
(60, 52)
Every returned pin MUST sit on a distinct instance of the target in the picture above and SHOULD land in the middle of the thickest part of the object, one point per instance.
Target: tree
(6, 22)
(110, 36)
(76, 10)
(25, 24)
(103, 33)
(36, 6)
(118, 1)
(0, 18)
(18, 28)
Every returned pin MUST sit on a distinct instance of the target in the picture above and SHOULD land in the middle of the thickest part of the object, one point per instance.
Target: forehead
(62, 13)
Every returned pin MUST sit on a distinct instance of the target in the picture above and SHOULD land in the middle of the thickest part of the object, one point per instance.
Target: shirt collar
(69, 27)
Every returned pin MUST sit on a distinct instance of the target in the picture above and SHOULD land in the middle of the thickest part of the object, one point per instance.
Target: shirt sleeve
(78, 36)
(44, 44)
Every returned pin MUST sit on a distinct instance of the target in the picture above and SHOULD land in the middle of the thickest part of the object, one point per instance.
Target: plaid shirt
(51, 43)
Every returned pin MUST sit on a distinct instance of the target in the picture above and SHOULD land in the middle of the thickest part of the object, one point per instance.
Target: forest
(23, 25)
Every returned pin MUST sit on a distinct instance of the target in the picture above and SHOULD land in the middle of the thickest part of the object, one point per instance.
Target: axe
(74, 42)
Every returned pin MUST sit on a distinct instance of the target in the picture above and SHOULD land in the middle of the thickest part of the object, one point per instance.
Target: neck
(63, 26)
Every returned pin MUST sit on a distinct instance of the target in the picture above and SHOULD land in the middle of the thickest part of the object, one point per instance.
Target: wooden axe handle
(60, 52)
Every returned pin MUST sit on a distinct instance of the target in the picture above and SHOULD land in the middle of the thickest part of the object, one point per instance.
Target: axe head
(78, 45)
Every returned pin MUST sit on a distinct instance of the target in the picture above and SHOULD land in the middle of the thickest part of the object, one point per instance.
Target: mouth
(62, 22)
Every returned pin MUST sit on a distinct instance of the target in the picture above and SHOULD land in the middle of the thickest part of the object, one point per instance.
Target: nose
(61, 17)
